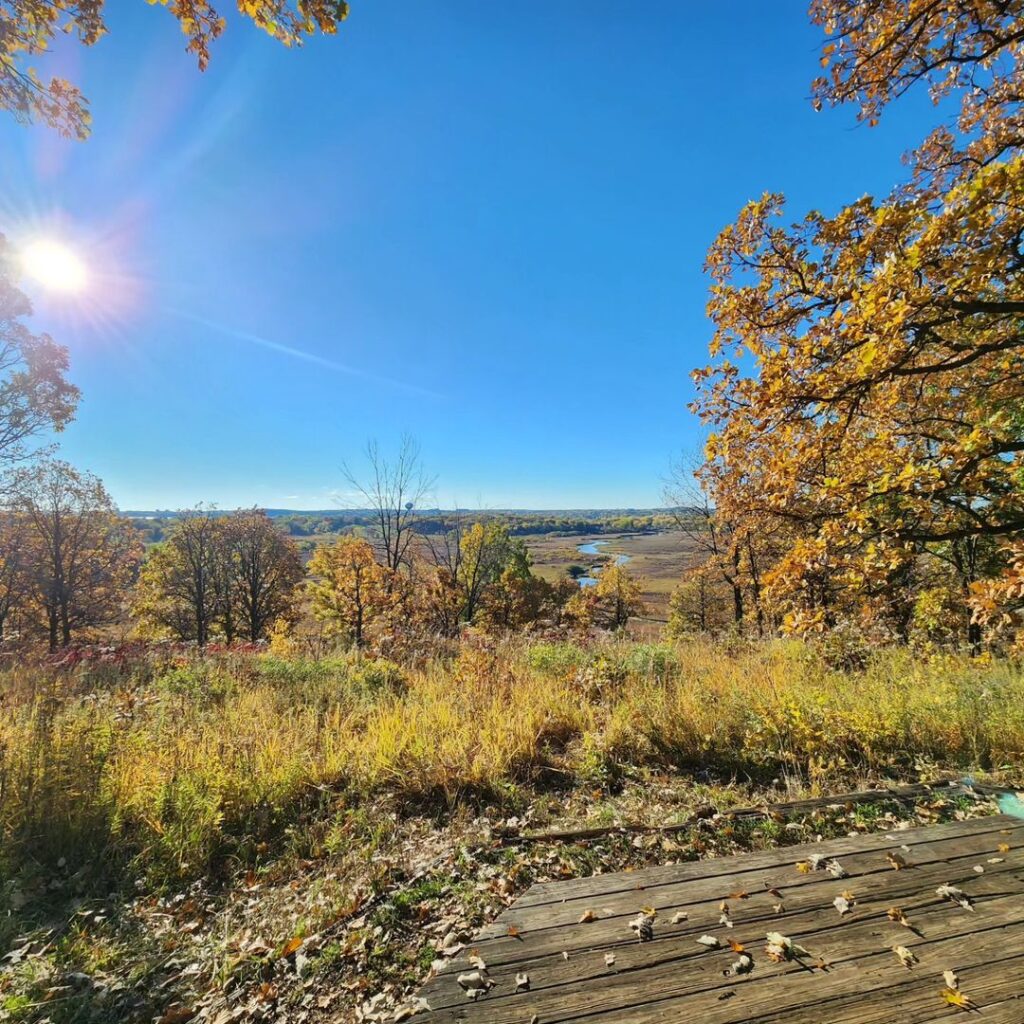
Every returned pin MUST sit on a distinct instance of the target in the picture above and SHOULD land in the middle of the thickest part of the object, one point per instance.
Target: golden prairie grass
(186, 764)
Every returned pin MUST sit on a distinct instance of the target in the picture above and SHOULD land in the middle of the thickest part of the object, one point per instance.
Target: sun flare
(54, 266)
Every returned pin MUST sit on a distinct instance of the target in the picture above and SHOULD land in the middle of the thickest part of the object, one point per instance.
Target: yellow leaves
(954, 997)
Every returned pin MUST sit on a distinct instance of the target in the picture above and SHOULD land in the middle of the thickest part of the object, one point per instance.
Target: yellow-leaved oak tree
(28, 28)
(350, 590)
(866, 389)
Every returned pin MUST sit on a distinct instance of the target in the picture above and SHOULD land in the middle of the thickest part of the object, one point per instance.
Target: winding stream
(593, 547)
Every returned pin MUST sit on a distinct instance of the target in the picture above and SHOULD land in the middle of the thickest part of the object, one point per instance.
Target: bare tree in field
(392, 489)
(712, 539)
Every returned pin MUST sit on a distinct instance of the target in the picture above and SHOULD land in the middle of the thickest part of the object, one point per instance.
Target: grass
(127, 782)
(180, 764)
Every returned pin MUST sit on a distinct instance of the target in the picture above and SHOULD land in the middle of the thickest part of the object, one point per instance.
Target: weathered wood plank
(562, 930)
(579, 888)
(672, 978)
(737, 875)
(991, 986)
(913, 889)
(1009, 1011)
(870, 987)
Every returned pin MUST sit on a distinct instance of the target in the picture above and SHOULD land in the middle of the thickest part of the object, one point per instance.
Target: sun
(54, 266)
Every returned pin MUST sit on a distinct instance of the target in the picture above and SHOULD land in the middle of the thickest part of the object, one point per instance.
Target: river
(593, 547)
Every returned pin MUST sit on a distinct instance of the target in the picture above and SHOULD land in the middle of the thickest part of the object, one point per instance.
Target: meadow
(135, 783)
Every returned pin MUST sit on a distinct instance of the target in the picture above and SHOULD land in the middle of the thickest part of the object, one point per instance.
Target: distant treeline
(433, 522)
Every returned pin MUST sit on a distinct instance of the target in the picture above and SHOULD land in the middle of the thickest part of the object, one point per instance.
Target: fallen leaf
(835, 869)
(643, 925)
(780, 948)
(710, 941)
(951, 980)
(522, 982)
(609, 959)
(951, 892)
(513, 932)
(744, 965)
(844, 903)
(896, 915)
(740, 895)
(896, 861)
(773, 892)
(905, 956)
(290, 946)
(477, 961)
(737, 947)
(587, 916)
(1003, 847)
(956, 998)
(679, 916)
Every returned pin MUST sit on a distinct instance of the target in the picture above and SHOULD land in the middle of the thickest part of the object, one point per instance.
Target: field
(186, 837)
(657, 561)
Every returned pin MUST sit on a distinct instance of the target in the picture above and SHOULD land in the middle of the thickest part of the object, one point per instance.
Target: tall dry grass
(182, 763)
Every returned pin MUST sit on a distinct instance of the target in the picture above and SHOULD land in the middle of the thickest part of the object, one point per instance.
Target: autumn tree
(35, 395)
(28, 27)
(882, 421)
(18, 555)
(350, 590)
(177, 590)
(84, 555)
(266, 571)
(225, 574)
(620, 593)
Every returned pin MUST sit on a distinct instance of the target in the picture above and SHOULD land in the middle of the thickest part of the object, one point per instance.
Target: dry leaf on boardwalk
(906, 957)
(744, 965)
(781, 947)
(896, 915)
(844, 902)
(587, 916)
(643, 925)
(954, 997)
(951, 892)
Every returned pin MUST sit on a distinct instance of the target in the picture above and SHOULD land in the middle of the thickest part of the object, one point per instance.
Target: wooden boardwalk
(570, 968)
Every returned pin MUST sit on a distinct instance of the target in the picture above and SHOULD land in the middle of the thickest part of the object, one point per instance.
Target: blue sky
(480, 223)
